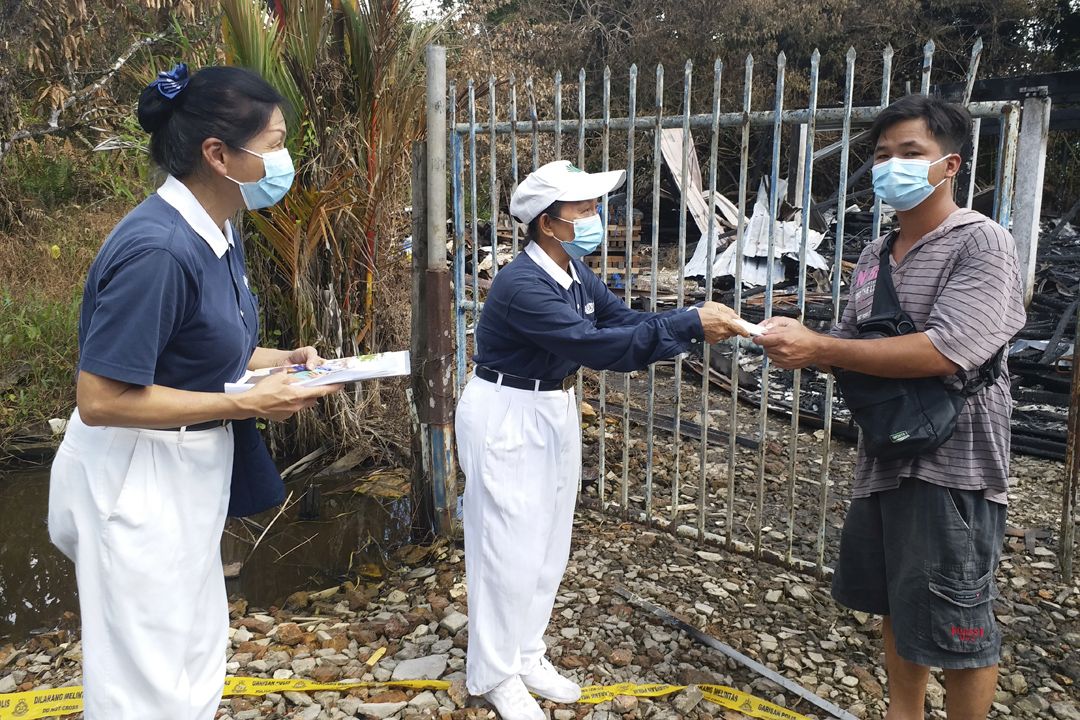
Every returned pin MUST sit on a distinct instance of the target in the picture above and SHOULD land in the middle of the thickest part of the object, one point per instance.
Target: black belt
(208, 425)
(520, 383)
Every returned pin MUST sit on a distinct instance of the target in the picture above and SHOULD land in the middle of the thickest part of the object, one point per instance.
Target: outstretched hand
(789, 344)
(717, 320)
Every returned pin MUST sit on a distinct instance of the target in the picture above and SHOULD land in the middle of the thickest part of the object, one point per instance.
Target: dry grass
(30, 267)
(43, 264)
(59, 203)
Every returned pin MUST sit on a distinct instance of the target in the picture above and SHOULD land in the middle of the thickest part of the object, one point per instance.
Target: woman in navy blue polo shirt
(140, 486)
(518, 433)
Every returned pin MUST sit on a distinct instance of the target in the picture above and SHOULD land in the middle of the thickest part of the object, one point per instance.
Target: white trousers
(521, 454)
(141, 513)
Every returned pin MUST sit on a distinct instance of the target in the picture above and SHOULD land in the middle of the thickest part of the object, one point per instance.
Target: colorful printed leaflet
(342, 370)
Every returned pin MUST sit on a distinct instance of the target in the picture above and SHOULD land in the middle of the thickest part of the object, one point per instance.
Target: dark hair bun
(154, 109)
(231, 104)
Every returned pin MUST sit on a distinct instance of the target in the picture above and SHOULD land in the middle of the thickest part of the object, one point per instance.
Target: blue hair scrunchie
(172, 83)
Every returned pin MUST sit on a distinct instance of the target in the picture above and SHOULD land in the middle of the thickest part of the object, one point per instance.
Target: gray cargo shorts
(925, 555)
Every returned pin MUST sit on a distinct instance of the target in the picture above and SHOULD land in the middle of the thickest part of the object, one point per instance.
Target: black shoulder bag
(904, 417)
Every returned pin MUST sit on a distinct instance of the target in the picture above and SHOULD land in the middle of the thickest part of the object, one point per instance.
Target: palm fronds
(353, 71)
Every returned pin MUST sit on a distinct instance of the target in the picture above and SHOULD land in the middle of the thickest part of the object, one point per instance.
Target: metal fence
(745, 452)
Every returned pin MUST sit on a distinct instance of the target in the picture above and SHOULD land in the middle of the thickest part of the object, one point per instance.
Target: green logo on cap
(571, 168)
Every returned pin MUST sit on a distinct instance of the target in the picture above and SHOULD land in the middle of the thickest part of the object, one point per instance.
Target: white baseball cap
(556, 181)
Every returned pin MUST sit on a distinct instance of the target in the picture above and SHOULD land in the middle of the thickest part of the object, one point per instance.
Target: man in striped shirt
(923, 535)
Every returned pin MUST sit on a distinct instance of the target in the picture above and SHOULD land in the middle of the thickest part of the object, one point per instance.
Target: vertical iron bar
(627, 279)
(710, 258)
(535, 122)
(740, 229)
(927, 63)
(650, 401)
(680, 291)
(886, 86)
(472, 206)
(602, 413)
(458, 192)
(513, 157)
(976, 133)
(838, 261)
(579, 385)
(976, 125)
(796, 404)
(763, 410)
(558, 114)
(581, 119)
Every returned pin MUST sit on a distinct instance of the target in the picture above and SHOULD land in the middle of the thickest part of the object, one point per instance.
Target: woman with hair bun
(156, 454)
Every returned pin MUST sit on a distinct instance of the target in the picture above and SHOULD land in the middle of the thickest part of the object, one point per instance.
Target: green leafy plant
(353, 74)
(38, 354)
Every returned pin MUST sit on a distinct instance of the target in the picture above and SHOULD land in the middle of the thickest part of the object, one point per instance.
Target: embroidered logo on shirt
(590, 308)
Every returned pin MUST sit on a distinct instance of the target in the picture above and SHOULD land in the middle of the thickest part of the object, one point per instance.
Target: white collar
(177, 194)
(541, 258)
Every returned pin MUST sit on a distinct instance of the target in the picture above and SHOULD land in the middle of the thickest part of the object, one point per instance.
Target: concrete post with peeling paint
(1030, 167)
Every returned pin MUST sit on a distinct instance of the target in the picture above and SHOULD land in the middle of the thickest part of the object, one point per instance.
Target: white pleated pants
(141, 513)
(521, 454)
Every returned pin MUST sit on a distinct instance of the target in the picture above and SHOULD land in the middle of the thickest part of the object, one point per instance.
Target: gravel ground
(783, 618)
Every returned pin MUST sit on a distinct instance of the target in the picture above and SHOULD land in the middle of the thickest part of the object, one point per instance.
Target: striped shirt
(961, 286)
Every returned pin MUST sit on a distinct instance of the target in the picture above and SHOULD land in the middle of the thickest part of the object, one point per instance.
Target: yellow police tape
(719, 694)
(64, 701)
(34, 704)
(746, 703)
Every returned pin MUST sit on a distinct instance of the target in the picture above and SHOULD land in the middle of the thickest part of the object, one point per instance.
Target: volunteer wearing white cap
(519, 442)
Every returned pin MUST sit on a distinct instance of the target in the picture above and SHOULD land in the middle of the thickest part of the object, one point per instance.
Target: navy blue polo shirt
(542, 323)
(167, 301)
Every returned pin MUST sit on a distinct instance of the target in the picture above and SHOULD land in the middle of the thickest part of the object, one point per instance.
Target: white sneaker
(513, 701)
(546, 681)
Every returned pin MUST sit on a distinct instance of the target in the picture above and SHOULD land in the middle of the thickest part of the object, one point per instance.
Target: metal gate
(761, 482)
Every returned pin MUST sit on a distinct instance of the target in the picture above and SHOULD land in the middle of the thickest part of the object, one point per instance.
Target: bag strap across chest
(888, 319)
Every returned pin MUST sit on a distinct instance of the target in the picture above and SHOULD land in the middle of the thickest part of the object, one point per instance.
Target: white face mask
(904, 183)
(588, 235)
(278, 174)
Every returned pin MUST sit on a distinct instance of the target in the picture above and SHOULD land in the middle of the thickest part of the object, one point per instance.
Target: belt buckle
(569, 382)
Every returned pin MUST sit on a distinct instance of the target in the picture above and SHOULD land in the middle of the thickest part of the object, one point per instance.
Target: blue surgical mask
(588, 235)
(277, 178)
(904, 183)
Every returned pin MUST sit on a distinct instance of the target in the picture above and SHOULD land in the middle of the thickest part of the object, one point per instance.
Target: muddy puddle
(323, 538)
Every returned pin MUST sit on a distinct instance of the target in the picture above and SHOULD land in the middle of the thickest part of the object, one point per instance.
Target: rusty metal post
(423, 524)
(433, 328)
(1071, 485)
